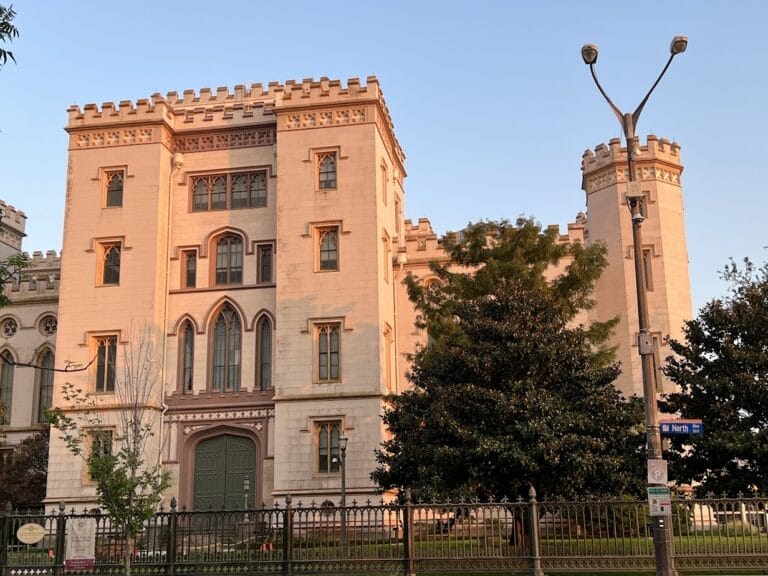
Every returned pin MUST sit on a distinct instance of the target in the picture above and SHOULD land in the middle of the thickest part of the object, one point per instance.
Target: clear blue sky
(490, 99)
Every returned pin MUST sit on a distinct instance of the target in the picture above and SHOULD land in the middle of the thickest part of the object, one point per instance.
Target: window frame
(323, 440)
(230, 366)
(326, 176)
(261, 249)
(186, 352)
(7, 376)
(323, 351)
(226, 272)
(264, 353)
(188, 256)
(104, 373)
(322, 232)
(106, 248)
(44, 385)
(109, 200)
(213, 199)
(93, 435)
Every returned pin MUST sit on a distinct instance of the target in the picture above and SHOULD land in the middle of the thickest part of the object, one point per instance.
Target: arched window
(44, 385)
(328, 446)
(229, 260)
(327, 171)
(187, 357)
(264, 353)
(111, 272)
(329, 248)
(114, 189)
(6, 386)
(226, 350)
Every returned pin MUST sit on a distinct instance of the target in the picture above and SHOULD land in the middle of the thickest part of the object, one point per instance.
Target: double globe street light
(662, 529)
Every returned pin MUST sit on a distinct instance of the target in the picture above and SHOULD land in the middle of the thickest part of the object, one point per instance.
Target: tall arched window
(6, 386)
(226, 350)
(187, 357)
(327, 170)
(264, 353)
(229, 260)
(44, 385)
(114, 188)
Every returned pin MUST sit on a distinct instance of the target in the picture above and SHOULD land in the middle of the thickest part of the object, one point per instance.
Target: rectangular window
(229, 191)
(387, 259)
(326, 170)
(101, 447)
(229, 260)
(264, 255)
(648, 269)
(388, 357)
(110, 263)
(327, 441)
(113, 188)
(328, 341)
(106, 362)
(189, 260)
(327, 248)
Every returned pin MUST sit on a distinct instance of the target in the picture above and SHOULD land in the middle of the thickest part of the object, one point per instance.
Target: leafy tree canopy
(26, 476)
(7, 32)
(721, 368)
(512, 392)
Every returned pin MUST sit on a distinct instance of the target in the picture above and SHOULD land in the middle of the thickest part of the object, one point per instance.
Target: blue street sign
(671, 427)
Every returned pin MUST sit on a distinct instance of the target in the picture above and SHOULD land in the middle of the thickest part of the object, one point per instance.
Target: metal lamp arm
(613, 106)
(636, 113)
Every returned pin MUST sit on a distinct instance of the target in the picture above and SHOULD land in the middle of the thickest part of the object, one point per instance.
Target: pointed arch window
(328, 248)
(227, 334)
(326, 164)
(110, 273)
(229, 260)
(187, 357)
(328, 352)
(328, 446)
(114, 192)
(6, 386)
(264, 353)
(46, 362)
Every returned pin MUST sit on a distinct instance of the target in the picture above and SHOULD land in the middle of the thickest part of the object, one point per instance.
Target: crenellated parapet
(39, 280)
(606, 165)
(243, 116)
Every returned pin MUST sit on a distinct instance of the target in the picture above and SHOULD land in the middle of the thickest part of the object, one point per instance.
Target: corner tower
(658, 171)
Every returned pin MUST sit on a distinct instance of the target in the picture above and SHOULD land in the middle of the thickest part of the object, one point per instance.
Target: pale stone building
(260, 234)
(27, 338)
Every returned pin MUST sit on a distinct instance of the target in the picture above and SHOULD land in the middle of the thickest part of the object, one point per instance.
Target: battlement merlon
(13, 218)
(656, 149)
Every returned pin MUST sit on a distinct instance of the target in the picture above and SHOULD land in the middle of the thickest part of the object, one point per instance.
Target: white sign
(657, 471)
(659, 501)
(30, 533)
(81, 544)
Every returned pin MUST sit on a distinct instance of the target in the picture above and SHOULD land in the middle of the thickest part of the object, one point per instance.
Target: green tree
(512, 391)
(7, 32)
(721, 368)
(120, 448)
(25, 477)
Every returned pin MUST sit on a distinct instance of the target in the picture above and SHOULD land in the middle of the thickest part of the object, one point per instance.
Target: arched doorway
(222, 464)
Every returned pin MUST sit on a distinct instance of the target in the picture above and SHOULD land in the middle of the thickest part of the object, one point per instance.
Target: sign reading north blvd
(689, 427)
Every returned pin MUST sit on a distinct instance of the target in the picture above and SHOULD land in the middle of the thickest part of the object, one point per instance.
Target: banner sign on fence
(659, 501)
(81, 544)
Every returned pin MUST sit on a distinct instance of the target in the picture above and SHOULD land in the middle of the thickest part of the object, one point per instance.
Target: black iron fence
(412, 538)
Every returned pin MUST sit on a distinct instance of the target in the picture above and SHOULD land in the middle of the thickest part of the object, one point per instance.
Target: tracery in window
(229, 260)
(328, 248)
(328, 451)
(229, 191)
(114, 188)
(328, 351)
(326, 168)
(226, 350)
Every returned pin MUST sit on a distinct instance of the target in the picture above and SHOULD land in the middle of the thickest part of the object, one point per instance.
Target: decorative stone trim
(324, 118)
(226, 140)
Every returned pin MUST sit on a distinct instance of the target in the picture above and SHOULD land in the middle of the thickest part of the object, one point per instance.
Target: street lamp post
(343, 464)
(662, 529)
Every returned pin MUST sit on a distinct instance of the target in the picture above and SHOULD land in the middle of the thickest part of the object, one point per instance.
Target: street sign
(657, 472)
(659, 501)
(682, 427)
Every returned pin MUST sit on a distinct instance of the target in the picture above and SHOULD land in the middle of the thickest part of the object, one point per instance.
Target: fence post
(410, 561)
(287, 536)
(61, 529)
(533, 518)
(170, 546)
(6, 529)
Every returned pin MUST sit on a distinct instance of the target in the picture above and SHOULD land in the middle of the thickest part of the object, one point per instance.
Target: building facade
(28, 329)
(257, 236)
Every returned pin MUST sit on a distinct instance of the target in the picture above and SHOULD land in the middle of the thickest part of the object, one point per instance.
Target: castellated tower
(665, 261)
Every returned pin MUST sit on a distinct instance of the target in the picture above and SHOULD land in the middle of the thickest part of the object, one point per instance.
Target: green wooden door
(222, 464)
